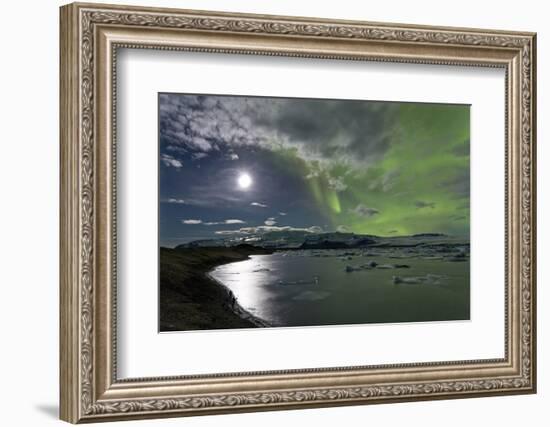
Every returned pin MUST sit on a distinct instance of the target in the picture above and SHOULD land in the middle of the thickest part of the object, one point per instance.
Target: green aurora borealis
(421, 184)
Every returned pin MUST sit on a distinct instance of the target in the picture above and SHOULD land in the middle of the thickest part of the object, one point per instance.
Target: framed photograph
(265, 212)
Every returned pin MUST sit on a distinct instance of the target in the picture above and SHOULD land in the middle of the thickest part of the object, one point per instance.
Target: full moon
(244, 181)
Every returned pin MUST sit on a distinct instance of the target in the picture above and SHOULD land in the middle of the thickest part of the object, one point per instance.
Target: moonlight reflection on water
(303, 288)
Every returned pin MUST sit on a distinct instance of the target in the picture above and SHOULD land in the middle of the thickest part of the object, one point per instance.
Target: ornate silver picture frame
(91, 35)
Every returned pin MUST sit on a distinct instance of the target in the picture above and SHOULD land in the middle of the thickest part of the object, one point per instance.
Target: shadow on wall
(49, 409)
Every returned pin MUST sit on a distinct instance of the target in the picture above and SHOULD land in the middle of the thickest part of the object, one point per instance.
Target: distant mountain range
(295, 239)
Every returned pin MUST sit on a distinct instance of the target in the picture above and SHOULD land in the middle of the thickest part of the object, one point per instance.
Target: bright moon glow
(244, 181)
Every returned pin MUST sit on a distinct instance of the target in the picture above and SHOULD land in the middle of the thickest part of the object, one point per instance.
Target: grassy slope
(188, 299)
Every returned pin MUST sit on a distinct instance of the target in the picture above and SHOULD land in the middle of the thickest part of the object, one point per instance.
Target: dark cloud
(459, 184)
(365, 211)
(462, 149)
(420, 204)
(333, 129)
(354, 132)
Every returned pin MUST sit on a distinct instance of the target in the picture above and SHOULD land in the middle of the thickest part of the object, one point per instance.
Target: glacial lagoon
(336, 287)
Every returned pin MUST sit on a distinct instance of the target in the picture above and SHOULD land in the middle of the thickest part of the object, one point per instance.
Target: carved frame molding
(90, 37)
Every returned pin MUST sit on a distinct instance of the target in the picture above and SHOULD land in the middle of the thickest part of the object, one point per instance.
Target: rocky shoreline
(190, 299)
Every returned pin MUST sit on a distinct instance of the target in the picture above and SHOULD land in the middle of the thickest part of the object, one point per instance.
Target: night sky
(235, 165)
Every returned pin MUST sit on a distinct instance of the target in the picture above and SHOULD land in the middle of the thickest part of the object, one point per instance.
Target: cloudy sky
(233, 165)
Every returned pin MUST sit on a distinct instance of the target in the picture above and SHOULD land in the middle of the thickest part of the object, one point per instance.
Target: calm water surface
(305, 288)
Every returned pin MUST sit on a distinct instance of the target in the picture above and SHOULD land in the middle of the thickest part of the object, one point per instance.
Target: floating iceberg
(429, 279)
(313, 281)
(311, 296)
